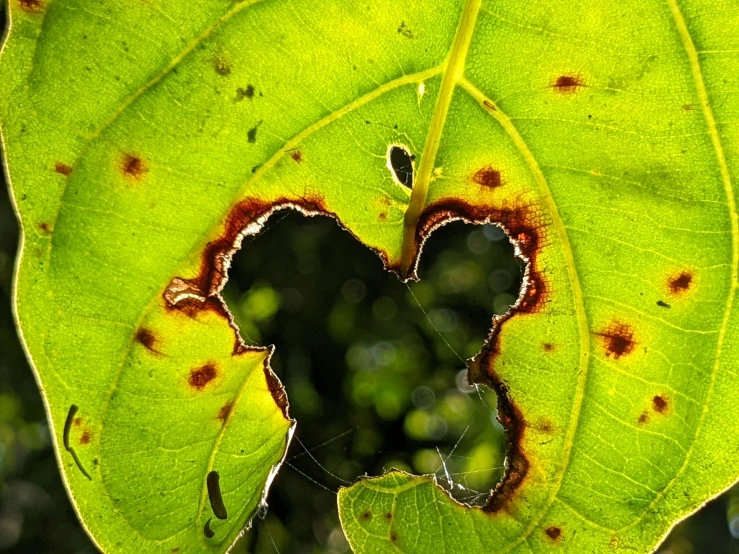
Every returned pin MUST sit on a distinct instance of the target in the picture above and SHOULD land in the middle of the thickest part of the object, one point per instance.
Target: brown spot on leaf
(45, 227)
(201, 376)
(680, 283)
(133, 166)
(31, 6)
(490, 106)
(86, 437)
(225, 411)
(567, 84)
(297, 156)
(147, 338)
(394, 537)
(382, 216)
(366, 516)
(688, 107)
(553, 532)
(618, 340)
(545, 426)
(63, 169)
(488, 177)
(547, 346)
(643, 418)
(660, 404)
(175, 549)
(77, 421)
(388, 516)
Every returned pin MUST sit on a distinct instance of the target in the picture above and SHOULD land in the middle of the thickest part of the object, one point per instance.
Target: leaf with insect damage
(144, 140)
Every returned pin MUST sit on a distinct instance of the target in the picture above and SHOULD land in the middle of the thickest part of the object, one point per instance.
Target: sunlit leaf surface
(143, 140)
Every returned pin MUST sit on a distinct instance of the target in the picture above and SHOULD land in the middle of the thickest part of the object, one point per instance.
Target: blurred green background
(373, 369)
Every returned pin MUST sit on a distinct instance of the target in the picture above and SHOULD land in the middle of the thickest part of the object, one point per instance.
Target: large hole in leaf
(374, 369)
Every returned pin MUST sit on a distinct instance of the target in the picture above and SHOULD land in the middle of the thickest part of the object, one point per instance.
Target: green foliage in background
(142, 140)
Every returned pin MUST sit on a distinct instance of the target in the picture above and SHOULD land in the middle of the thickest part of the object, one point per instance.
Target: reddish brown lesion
(488, 177)
(31, 6)
(86, 437)
(225, 412)
(660, 404)
(44, 227)
(297, 156)
(63, 169)
(554, 532)
(568, 84)
(680, 283)
(133, 166)
(618, 340)
(201, 376)
(148, 339)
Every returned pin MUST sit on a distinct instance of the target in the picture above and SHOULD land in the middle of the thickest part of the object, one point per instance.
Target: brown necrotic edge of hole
(202, 293)
(527, 231)
(399, 161)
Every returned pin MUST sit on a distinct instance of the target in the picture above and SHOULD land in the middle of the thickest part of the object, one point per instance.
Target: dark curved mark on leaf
(207, 531)
(73, 409)
(214, 495)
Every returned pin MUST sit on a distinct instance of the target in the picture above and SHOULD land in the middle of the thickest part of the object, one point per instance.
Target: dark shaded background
(373, 371)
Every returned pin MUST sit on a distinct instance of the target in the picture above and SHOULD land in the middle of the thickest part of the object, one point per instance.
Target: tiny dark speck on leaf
(662, 304)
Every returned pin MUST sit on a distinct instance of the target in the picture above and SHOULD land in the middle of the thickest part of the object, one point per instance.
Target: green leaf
(144, 139)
